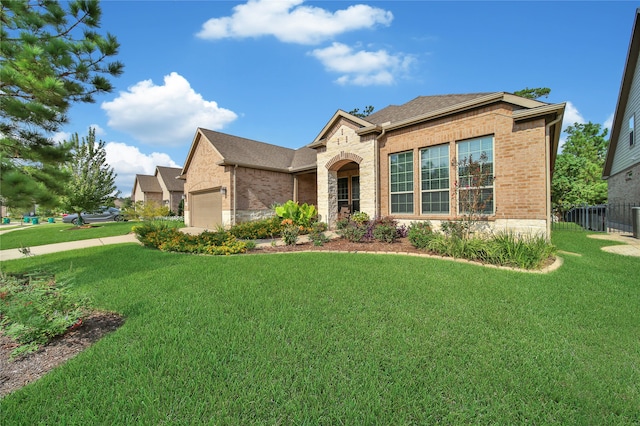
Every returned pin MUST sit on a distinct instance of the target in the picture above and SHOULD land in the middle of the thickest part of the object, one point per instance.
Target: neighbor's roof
(148, 183)
(235, 150)
(170, 176)
(625, 91)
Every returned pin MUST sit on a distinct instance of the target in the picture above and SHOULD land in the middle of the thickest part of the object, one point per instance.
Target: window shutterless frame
(401, 183)
(434, 180)
(475, 170)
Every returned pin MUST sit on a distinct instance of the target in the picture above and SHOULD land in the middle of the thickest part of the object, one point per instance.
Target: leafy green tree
(533, 93)
(367, 111)
(50, 57)
(92, 182)
(577, 176)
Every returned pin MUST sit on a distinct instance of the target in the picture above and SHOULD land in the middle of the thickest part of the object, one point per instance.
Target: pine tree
(50, 57)
(92, 182)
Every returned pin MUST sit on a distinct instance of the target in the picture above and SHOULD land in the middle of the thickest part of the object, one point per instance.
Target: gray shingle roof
(169, 175)
(420, 106)
(148, 183)
(247, 152)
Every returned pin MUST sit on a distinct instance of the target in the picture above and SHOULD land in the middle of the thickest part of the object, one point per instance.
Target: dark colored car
(103, 214)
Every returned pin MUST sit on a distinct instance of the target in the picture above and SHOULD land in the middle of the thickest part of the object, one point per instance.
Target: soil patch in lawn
(28, 368)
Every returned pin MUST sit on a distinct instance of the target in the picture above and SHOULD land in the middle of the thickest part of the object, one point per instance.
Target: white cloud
(127, 161)
(571, 116)
(608, 123)
(290, 22)
(99, 130)
(362, 67)
(60, 137)
(165, 115)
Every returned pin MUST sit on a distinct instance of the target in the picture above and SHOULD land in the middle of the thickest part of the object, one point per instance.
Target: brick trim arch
(341, 159)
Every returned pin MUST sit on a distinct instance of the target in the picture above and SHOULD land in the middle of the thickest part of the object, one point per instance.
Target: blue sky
(277, 70)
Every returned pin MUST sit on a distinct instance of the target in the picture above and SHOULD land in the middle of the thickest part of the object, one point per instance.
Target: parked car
(103, 214)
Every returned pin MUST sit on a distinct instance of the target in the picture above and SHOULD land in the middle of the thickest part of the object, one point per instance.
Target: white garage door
(206, 209)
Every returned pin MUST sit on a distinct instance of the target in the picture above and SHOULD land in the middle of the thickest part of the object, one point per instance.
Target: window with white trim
(632, 128)
(434, 171)
(401, 182)
(475, 176)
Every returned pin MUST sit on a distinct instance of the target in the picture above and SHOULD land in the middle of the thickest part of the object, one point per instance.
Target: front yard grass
(46, 233)
(331, 338)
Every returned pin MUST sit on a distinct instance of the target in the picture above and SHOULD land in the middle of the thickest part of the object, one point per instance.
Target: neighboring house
(622, 165)
(231, 179)
(163, 187)
(396, 162)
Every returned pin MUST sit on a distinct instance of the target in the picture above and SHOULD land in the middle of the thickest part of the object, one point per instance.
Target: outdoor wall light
(223, 191)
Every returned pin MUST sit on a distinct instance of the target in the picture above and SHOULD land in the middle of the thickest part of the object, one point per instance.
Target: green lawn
(329, 338)
(47, 233)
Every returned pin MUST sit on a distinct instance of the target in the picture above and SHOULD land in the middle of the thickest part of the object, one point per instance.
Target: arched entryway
(343, 185)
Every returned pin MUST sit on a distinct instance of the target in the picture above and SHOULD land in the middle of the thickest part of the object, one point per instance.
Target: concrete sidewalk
(71, 245)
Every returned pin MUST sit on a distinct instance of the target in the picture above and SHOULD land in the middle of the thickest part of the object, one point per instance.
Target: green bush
(162, 237)
(258, 229)
(303, 215)
(385, 233)
(522, 251)
(316, 234)
(35, 308)
(360, 218)
(420, 234)
(354, 232)
(290, 232)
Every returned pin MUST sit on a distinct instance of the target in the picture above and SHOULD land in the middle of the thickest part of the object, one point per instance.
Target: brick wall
(519, 160)
(625, 186)
(308, 188)
(260, 189)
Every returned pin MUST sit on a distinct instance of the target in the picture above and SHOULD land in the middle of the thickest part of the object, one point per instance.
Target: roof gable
(169, 176)
(148, 183)
(340, 114)
(235, 150)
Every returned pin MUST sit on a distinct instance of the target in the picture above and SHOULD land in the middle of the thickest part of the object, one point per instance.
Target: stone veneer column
(343, 146)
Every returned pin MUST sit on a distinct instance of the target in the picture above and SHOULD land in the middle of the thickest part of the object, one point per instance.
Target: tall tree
(577, 176)
(50, 57)
(533, 93)
(92, 182)
(367, 111)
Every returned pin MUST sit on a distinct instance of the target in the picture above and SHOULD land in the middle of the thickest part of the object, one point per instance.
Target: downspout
(377, 171)
(234, 194)
(548, 171)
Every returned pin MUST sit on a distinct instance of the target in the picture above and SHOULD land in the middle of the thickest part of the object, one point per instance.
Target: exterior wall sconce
(223, 191)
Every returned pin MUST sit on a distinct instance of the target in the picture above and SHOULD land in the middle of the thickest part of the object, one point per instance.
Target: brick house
(622, 165)
(397, 161)
(163, 187)
(229, 179)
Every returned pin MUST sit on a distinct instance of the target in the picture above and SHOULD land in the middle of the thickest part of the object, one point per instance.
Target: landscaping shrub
(355, 232)
(523, 251)
(385, 233)
(420, 234)
(302, 215)
(35, 308)
(258, 229)
(316, 234)
(290, 232)
(162, 237)
(360, 218)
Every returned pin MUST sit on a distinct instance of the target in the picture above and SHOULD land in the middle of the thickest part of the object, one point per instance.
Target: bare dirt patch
(26, 369)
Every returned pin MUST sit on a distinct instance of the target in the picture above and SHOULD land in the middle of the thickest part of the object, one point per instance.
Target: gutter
(233, 221)
(548, 175)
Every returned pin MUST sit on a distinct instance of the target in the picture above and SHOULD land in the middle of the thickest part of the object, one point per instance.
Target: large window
(401, 176)
(434, 170)
(475, 176)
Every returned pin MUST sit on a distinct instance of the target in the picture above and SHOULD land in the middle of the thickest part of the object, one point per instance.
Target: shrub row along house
(401, 161)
